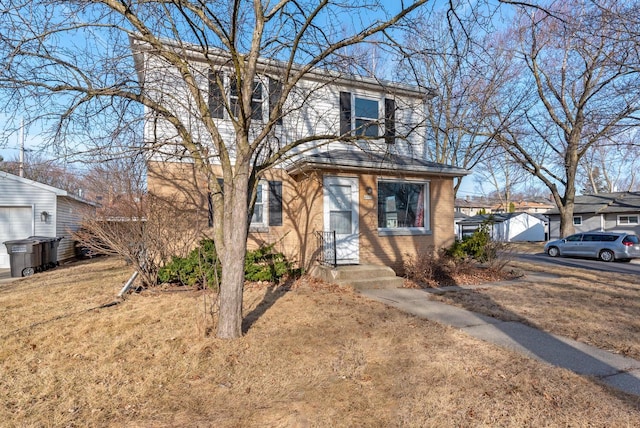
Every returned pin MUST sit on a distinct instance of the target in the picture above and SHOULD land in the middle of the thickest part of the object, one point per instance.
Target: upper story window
(266, 92)
(362, 116)
(366, 117)
(257, 99)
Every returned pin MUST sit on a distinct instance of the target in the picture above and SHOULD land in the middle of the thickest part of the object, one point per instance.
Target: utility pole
(21, 147)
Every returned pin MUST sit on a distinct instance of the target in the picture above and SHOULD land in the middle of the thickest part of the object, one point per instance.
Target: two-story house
(371, 194)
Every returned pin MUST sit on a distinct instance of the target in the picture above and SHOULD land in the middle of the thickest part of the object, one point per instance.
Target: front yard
(312, 355)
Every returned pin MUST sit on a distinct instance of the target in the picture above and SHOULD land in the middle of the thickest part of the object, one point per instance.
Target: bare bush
(146, 231)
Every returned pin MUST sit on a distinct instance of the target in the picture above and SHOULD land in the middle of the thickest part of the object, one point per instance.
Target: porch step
(359, 276)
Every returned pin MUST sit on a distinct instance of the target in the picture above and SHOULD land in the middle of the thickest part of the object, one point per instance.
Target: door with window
(341, 215)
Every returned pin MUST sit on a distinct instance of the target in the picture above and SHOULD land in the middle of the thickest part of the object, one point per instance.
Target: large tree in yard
(579, 87)
(69, 64)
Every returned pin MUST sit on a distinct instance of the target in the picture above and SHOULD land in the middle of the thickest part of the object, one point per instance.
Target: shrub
(202, 266)
(478, 246)
(434, 268)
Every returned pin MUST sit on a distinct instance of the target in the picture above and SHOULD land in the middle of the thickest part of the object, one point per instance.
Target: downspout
(602, 223)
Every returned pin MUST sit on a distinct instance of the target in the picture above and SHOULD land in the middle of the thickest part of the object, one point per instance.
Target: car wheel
(553, 251)
(606, 255)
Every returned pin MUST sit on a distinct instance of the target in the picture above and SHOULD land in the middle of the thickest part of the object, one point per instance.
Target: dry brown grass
(588, 306)
(312, 356)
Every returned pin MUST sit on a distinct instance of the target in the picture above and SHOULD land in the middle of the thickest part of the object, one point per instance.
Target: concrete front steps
(359, 277)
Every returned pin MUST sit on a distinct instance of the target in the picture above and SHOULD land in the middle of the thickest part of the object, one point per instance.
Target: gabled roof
(617, 202)
(496, 218)
(358, 160)
(58, 192)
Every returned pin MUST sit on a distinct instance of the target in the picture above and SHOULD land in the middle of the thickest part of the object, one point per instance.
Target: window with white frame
(403, 205)
(577, 220)
(366, 116)
(259, 212)
(256, 99)
(266, 93)
(627, 219)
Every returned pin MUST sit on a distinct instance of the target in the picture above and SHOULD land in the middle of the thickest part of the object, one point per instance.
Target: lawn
(313, 355)
(588, 306)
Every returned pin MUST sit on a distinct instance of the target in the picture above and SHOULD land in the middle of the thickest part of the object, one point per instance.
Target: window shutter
(345, 113)
(275, 93)
(275, 203)
(210, 210)
(389, 121)
(216, 99)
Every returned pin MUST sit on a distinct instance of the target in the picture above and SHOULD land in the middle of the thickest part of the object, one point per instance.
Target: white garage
(29, 208)
(15, 223)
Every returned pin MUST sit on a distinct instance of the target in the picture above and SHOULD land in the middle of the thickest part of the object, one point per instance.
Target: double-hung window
(403, 207)
(256, 99)
(265, 94)
(362, 116)
(366, 117)
(258, 218)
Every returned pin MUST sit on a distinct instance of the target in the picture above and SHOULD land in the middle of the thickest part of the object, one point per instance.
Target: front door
(341, 216)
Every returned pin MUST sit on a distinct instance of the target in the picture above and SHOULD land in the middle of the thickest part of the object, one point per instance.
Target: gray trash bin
(49, 250)
(25, 256)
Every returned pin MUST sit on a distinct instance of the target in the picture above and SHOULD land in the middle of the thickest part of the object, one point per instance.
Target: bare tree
(457, 57)
(75, 58)
(584, 83)
(610, 167)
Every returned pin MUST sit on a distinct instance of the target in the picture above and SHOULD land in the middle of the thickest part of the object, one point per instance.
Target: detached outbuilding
(29, 208)
(506, 227)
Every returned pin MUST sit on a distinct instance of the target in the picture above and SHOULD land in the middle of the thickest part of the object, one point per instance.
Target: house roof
(601, 203)
(358, 160)
(496, 218)
(221, 57)
(58, 192)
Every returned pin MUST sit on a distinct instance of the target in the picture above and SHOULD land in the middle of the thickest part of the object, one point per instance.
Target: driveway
(5, 276)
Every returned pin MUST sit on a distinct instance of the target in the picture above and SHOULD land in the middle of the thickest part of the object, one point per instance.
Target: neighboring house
(379, 197)
(618, 211)
(540, 206)
(506, 227)
(29, 208)
(457, 217)
(472, 206)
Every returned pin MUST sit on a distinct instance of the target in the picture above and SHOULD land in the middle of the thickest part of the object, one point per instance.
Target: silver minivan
(606, 246)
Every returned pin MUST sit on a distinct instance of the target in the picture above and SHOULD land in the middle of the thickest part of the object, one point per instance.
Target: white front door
(15, 223)
(341, 216)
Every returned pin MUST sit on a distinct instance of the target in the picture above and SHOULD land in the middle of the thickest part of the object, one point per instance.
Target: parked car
(606, 246)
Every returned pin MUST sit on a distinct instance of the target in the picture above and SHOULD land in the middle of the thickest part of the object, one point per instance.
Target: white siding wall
(15, 193)
(68, 215)
(312, 109)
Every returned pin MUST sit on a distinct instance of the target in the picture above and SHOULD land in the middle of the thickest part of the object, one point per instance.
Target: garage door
(15, 223)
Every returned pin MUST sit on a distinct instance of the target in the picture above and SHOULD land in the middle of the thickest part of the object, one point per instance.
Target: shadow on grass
(513, 331)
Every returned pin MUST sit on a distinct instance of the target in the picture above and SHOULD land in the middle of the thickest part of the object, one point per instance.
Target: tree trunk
(232, 256)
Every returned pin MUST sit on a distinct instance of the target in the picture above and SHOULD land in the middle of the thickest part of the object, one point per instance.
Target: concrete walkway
(612, 369)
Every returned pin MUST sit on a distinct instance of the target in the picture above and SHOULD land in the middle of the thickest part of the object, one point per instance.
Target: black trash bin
(49, 250)
(25, 256)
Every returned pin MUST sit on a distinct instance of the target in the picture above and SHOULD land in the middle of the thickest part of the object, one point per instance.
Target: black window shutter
(389, 121)
(345, 113)
(275, 93)
(216, 100)
(275, 203)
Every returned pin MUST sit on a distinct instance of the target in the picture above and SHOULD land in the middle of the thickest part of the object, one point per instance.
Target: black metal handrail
(327, 248)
